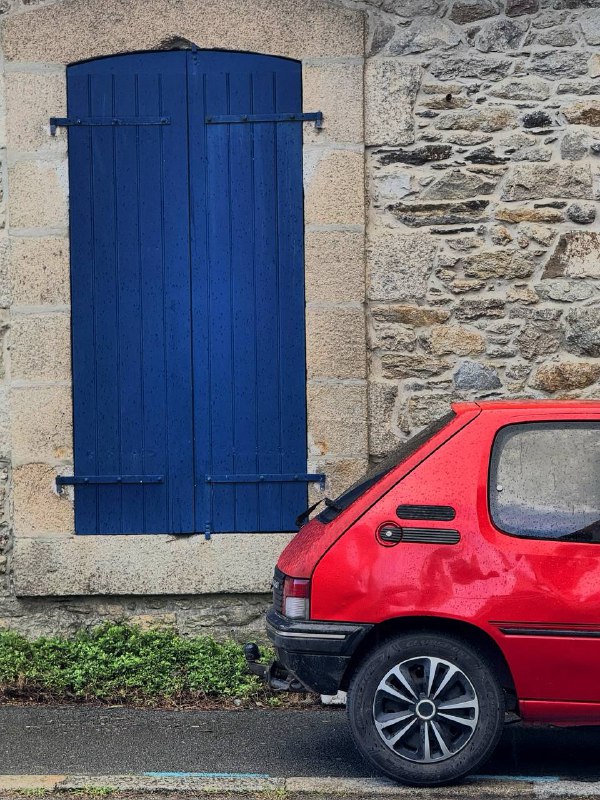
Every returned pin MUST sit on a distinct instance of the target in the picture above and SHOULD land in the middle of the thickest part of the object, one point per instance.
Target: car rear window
(381, 468)
(545, 481)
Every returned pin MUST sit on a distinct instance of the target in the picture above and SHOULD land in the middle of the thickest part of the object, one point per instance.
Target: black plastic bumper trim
(316, 653)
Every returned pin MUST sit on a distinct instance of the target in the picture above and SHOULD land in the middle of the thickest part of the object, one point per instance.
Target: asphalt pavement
(37, 740)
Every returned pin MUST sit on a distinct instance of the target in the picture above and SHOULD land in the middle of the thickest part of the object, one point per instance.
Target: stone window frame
(48, 559)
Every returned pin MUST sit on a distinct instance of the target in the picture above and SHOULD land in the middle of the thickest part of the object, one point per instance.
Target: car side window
(545, 481)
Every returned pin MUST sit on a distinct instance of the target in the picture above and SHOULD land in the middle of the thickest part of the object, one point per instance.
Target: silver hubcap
(425, 709)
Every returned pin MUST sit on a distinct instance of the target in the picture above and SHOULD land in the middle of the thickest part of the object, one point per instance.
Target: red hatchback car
(457, 583)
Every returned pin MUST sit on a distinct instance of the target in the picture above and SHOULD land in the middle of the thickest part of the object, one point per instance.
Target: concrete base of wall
(145, 565)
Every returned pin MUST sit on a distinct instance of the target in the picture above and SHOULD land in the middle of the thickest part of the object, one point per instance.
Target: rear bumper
(316, 653)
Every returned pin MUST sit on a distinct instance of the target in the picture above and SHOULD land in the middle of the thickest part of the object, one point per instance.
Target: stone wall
(482, 121)
(223, 616)
(38, 39)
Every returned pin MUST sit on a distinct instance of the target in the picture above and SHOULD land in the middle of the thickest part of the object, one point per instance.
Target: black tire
(486, 724)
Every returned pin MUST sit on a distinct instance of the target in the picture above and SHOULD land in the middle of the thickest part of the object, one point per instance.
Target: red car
(455, 584)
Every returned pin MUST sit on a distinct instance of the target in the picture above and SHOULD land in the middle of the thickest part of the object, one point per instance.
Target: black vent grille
(278, 579)
(430, 535)
(433, 513)
(393, 534)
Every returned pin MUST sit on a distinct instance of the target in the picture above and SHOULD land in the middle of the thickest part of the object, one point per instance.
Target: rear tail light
(296, 598)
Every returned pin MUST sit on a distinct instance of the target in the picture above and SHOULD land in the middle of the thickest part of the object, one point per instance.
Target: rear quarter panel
(358, 579)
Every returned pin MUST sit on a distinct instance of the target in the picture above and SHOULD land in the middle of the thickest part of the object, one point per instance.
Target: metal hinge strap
(68, 122)
(228, 119)
(316, 477)
(82, 480)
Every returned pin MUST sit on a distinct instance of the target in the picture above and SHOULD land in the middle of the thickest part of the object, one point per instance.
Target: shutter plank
(106, 302)
(220, 377)
(290, 236)
(176, 267)
(267, 298)
(83, 320)
(153, 344)
(200, 289)
(243, 333)
(129, 303)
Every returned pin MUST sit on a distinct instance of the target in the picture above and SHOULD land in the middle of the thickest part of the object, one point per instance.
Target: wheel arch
(466, 631)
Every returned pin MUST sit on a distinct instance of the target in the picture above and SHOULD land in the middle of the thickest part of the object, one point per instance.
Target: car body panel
(315, 538)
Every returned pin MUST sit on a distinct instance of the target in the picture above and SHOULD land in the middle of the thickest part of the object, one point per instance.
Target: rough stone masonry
(482, 126)
(483, 133)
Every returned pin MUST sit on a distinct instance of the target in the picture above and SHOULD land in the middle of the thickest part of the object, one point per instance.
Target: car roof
(528, 405)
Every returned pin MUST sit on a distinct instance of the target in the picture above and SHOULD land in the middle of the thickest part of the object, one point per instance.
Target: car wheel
(425, 709)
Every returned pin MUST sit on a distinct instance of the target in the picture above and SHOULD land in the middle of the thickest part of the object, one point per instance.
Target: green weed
(121, 663)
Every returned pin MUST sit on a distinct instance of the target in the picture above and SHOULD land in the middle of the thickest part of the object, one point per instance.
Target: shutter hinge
(231, 119)
(94, 480)
(314, 477)
(72, 122)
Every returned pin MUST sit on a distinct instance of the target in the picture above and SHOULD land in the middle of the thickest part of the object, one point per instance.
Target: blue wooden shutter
(248, 292)
(130, 281)
(187, 293)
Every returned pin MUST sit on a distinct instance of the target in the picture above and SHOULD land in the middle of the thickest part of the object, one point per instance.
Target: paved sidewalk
(190, 787)
(256, 745)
